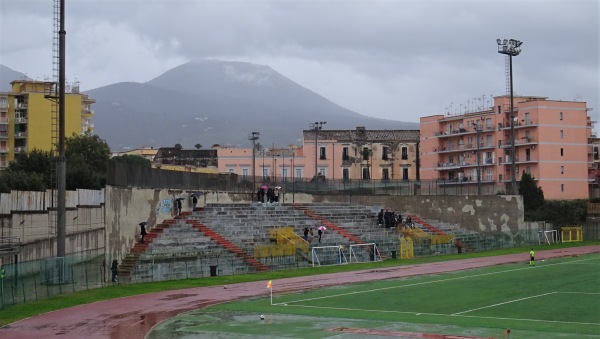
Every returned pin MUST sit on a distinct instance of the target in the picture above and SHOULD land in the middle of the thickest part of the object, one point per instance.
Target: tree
(136, 160)
(178, 146)
(22, 181)
(533, 196)
(198, 146)
(36, 161)
(87, 158)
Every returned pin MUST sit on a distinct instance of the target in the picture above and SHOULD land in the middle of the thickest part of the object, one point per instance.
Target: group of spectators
(268, 194)
(388, 218)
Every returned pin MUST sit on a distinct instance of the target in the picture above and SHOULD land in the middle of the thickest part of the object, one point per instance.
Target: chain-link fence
(42, 279)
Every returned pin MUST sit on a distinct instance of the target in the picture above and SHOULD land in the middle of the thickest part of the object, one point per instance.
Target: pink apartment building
(552, 143)
(359, 154)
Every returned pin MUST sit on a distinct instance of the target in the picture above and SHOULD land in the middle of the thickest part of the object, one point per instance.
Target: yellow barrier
(288, 243)
(571, 233)
(407, 249)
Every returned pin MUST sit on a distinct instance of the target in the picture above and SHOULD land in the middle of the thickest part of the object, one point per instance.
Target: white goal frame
(338, 251)
(359, 253)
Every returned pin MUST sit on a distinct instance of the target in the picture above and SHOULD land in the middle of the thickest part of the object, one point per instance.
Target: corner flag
(269, 284)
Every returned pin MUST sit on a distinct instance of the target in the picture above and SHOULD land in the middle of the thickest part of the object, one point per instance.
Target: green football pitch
(558, 298)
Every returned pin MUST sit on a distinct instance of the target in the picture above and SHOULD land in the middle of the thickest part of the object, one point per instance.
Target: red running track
(133, 317)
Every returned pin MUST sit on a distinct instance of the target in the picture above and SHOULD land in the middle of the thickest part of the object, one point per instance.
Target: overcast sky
(389, 59)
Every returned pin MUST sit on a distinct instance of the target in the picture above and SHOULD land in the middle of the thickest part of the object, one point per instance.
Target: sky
(397, 60)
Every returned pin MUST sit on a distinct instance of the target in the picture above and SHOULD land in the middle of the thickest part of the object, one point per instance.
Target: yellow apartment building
(27, 117)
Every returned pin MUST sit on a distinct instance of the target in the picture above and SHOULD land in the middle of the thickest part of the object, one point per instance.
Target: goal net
(364, 253)
(328, 255)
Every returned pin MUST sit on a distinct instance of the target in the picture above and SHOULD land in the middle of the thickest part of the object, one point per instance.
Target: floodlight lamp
(505, 41)
(499, 42)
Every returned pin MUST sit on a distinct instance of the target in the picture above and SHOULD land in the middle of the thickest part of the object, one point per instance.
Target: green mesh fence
(42, 279)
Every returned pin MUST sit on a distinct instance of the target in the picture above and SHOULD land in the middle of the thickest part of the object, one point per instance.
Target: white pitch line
(506, 302)
(447, 315)
(429, 282)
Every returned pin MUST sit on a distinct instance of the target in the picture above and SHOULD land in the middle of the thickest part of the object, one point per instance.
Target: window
(404, 153)
(562, 152)
(528, 169)
(595, 150)
(299, 173)
(385, 174)
(322, 171)
(245, 172)
(499, 109)
(284, 173)
(231, 170)
(562, 169)
(488, 123)
(365, 173)
(322, 153)
(488, 141)
(345, 155)
(561, 115)
(405, 173)
(265, 172)
(384, 153)
(562, 134)
(527, 119)
(365, 153)
(562, 187)
(345, 174)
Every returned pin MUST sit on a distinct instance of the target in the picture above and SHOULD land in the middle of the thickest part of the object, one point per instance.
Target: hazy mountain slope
(217, 102)
(7, 75)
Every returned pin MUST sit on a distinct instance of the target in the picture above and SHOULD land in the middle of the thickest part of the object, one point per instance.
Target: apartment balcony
(20, 149)
(518, 160)
(518, 124)
(3, 164)
(21, 135)
(21, 106)
(527, 141)
(20, 120)
(3, 134)
(3, 150)
(3, 121)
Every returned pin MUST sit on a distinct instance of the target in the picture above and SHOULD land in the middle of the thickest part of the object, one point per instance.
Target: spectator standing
(194, 202)
(114, 268)
(143, 230)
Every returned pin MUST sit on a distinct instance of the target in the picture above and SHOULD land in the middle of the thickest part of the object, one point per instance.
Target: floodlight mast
(511, 47)
(317, 126)
(253, 137)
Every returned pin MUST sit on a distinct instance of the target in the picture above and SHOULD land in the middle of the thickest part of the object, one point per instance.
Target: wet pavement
(133, 317)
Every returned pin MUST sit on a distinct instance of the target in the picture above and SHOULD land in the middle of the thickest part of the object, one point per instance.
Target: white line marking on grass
(592, 293)
(506, 302)
(428, 282)
(446, 315)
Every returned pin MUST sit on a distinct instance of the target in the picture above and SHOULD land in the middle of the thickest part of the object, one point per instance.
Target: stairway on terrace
(180, 249)
(355, 223)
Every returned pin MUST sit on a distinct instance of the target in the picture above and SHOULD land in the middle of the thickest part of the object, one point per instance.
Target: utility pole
(316, 127)
(253, 137)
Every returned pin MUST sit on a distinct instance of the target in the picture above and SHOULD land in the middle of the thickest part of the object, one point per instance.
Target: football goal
(328, 255)
(364, 253)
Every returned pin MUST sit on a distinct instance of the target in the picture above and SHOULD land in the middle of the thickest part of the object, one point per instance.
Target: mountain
(217, 102)
(7, 75)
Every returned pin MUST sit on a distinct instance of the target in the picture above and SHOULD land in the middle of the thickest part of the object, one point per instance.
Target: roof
(362, 134)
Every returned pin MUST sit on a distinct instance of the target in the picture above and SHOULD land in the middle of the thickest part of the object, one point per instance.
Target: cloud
(391, 59)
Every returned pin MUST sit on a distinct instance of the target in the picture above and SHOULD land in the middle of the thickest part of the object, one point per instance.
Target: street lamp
(253, 137)
(478, 131)
(511, 47)
(317, 126)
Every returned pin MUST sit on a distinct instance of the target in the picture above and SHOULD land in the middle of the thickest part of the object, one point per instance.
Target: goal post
(328, 255)
(361, 253)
